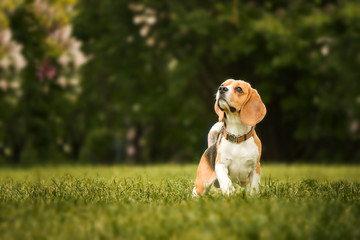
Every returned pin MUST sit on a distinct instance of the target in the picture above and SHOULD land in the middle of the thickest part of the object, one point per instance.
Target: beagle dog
(234, 149)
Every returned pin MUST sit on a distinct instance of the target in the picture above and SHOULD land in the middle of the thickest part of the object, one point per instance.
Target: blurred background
(110, 81)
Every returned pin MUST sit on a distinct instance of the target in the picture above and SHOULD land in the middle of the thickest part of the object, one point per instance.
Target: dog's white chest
(239, 158)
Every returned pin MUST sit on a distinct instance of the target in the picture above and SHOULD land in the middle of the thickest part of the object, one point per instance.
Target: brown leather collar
(237, 139)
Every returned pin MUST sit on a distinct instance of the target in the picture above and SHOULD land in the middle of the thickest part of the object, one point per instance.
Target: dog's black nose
(223, 89)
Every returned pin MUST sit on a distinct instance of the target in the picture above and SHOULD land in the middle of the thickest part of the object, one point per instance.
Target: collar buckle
(232, 138)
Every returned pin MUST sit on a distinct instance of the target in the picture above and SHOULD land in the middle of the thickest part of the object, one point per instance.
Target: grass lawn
(154, 202)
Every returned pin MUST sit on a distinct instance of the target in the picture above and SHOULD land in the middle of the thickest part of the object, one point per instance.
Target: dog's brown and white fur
(239, 108)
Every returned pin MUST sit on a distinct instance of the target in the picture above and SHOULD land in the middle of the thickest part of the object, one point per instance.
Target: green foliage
(39, 103)
(98, 147)
(155, 202)
(153, 68)
(302, 57)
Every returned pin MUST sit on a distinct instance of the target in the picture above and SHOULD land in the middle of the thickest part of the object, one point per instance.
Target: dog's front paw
(228, 188)
(231, 190)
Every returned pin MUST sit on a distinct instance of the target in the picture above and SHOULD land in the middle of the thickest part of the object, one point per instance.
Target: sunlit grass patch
(156, 173)
(155, 202)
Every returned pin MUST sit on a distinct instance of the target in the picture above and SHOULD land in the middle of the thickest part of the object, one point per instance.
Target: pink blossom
(46, 70)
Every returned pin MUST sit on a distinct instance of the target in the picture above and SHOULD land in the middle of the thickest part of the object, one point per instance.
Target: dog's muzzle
(231, 108)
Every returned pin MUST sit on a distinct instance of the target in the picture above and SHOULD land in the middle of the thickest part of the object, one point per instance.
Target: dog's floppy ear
(253, 111)
(219, 112)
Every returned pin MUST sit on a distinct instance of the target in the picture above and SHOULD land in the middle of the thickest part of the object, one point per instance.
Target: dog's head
(237, 97)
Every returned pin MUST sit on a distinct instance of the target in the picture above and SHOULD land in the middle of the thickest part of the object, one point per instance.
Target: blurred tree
(147, 93)
(138, 92)
(43, 121)
(11, 63)
(162, 62)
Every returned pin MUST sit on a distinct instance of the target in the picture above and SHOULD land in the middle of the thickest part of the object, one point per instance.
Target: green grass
(132, 202)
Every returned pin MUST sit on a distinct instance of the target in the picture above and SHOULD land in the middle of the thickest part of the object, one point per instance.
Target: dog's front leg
(224, 181)
(254, 181)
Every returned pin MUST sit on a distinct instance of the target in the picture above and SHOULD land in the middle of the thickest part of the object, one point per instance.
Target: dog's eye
(238, 89)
